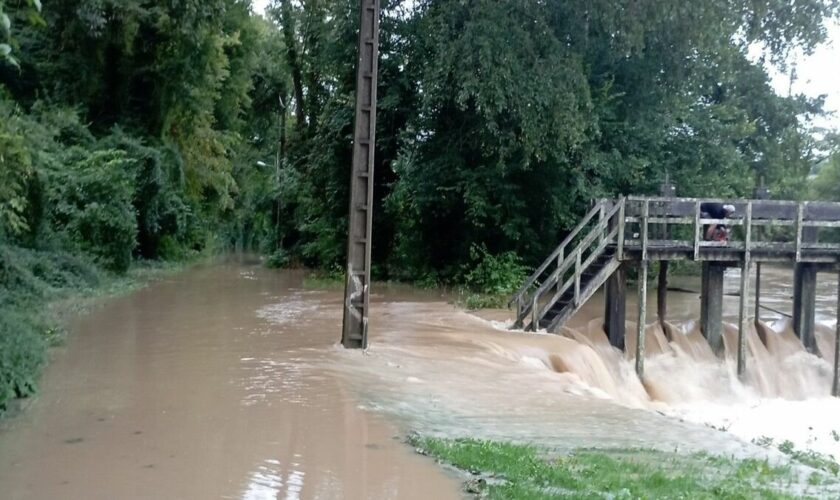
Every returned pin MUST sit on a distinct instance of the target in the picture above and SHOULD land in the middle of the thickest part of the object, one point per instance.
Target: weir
(617, 235)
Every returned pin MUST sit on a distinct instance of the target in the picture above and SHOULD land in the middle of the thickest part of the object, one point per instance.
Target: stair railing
(579, 260)
(558, 256)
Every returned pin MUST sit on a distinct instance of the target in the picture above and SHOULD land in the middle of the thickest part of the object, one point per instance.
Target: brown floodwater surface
(228, 382)
(200, 387)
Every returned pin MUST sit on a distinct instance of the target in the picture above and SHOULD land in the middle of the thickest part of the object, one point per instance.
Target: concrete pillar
(615, 307)
(711, 305)
(662, 293)
(804, 304)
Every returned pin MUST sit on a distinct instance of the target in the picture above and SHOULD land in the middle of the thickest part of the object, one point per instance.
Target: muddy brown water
(193, 388)
(227, 382)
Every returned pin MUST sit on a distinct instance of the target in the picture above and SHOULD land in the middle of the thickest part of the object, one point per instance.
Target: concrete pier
(804, 304)
(711, 305)
(615, 309)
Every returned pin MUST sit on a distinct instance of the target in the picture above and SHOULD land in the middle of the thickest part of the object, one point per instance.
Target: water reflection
(268, 483)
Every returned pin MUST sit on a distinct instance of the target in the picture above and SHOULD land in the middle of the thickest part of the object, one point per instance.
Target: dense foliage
(158, 129)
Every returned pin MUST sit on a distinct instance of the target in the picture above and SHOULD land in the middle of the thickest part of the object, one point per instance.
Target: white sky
(816, 74)
(260, 5)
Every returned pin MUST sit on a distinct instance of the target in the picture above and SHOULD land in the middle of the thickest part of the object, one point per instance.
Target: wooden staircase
(569, 277)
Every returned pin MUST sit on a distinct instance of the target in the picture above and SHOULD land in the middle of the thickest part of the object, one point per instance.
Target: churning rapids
(227, 382)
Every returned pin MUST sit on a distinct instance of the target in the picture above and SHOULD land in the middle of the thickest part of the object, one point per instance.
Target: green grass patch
(474, 301)
(813, 459)
(324, 279)
(513, 471)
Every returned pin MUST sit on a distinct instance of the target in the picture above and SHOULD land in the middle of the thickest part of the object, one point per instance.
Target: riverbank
(40, 290)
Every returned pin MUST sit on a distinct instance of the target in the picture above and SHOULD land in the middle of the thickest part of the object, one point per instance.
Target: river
(227, 382)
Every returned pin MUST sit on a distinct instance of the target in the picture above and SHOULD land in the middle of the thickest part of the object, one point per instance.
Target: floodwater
(226, 382)
(195, 388)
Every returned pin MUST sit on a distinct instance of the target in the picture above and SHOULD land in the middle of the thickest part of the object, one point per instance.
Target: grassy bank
(511, 471)
(38, 289)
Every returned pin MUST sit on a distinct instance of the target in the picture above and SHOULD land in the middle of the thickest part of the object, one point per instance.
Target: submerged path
(192, 388)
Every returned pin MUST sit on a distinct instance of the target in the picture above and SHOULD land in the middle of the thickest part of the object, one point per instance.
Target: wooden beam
(644, 230)
(742, 318)
(758, 293)
(640, 331)
(835, 389)
(697, 230)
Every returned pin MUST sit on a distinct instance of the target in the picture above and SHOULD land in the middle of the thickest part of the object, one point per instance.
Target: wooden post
(666, 190)
(644, 229)
(711, 305)
(835, 389)
(640, 332)
(697, 231)
(757, 293)
(621, 226)
(357, 284)
(804, 304)
(578, 271)
(745, 292)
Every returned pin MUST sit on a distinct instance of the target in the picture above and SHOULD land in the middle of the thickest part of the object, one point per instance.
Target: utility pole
(357, 284)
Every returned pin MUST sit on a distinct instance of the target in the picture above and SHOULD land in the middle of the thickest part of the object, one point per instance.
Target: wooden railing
(564, 269)
(557, 256)
(805, 220)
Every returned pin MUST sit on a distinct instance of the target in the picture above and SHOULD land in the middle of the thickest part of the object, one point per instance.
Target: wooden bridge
(631, 232)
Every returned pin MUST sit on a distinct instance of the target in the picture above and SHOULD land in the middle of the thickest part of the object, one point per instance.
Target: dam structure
(623, 236)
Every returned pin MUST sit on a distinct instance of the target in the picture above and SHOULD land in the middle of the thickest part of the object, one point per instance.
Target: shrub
(91, 203)
(500, 274)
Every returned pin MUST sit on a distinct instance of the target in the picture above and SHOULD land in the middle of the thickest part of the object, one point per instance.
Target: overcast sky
(816, 74)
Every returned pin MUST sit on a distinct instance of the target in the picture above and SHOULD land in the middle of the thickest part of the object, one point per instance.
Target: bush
(494, 274)
(29, 278)
(91, 203)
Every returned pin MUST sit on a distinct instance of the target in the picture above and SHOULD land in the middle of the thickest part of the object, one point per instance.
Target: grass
(473, 301)
(513, 471)
(813, 459)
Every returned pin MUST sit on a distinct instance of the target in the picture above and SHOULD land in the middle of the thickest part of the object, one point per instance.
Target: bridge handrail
(597, 233)
(558, 252)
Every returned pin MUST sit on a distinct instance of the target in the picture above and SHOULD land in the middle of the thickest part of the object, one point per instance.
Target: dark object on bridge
(357, 287)
(617, 233)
